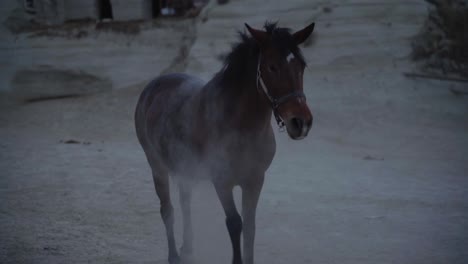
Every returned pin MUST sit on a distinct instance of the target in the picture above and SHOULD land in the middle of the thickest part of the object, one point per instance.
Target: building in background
(58, 11)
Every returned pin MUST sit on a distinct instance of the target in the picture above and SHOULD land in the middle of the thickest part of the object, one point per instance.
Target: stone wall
(50, 12)
(80, 9)
(131, 9)
(58, 11)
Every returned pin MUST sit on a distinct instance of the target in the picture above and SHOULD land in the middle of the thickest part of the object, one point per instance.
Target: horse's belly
(224, 162)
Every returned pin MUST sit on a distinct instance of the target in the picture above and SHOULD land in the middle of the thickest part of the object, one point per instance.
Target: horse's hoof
(174, 260)
(186, 256)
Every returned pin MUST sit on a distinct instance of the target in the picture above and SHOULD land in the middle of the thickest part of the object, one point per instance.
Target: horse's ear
(259, 35)
(301, 35)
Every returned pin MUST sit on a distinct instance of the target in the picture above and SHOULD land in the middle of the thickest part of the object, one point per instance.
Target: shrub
(442, 44)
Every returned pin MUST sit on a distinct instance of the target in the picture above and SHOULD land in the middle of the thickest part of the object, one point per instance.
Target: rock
(44, 82)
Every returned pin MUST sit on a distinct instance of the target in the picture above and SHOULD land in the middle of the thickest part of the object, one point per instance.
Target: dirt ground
(381, 178)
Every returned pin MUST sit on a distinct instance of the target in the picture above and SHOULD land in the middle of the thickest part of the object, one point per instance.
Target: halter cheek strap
(275, 102)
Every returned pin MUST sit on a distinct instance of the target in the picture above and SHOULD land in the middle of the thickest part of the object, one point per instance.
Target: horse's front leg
(250, 194)
(185, 194)
(233, 219)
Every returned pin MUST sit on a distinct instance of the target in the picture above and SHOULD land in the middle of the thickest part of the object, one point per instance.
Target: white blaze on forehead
(290, 57)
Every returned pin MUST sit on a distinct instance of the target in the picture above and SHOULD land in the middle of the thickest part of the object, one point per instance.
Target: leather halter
(276, 102)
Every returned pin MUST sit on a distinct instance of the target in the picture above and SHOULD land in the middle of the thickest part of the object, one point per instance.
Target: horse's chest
(243, 155)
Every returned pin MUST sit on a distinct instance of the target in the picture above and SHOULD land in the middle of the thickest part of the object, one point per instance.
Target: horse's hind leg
(161, 183)
(185, 194)
(233, 219)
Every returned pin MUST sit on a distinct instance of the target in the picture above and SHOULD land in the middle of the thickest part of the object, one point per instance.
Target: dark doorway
(156, 8)
(105, 9)
(29, 6)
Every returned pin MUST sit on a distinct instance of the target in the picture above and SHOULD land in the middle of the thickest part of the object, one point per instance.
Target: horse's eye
(272, 68)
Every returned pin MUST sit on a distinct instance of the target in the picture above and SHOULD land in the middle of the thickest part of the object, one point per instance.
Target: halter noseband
(275, 102)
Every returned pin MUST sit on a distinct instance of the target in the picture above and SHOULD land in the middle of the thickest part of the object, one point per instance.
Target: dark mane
(241, 63)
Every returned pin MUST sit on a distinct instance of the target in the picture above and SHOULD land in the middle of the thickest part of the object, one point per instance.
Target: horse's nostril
(298, 123)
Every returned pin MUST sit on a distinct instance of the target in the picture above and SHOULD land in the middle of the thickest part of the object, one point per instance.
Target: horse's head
(279, 76)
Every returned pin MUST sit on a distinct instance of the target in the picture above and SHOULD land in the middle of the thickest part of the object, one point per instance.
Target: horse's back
(169, 85)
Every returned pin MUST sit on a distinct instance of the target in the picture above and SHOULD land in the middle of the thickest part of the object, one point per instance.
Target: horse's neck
(242, 103)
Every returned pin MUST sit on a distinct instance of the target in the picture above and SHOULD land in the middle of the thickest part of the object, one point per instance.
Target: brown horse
(221, 130)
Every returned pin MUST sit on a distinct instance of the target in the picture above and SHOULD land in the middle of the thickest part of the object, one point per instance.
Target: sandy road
(382, 178)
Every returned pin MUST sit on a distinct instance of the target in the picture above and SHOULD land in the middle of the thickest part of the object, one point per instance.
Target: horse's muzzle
(298, 127)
